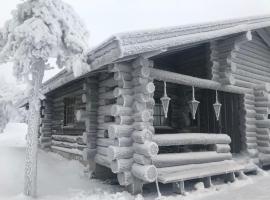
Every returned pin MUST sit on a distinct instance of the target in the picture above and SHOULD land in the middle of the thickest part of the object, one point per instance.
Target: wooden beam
(173, 77)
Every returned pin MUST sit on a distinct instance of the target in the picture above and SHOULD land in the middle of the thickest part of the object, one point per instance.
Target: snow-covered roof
(128, 45)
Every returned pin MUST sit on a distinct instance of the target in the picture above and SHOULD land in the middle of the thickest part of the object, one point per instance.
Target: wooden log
(121, 165)
(127, 120)
(222, 148)
(123, 142)
(105, 142)
(143, 116)
(191, 139)
(125, 100)
(122, 76)
(117, 110)
(192, 81)
(117, 131)
(148, 149)
(121, 91)
(142, 136)
(143, 72)
(115, 153)
(102, 150)
(83, 115)
(125, 178)
(102, 160)
(141, 159)
(263, 123)
(147, 173)
(149, 88)
(143, 125)
(176, 159)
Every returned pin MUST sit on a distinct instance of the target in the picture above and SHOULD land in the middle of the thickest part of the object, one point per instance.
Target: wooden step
(176, 159)
(191, 139)
(194, 171)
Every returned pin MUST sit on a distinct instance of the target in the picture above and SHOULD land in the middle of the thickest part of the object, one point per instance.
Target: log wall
(66, 140)
(243, 61)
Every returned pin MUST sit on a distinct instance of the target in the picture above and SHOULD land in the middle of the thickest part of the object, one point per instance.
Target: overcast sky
(106, 17)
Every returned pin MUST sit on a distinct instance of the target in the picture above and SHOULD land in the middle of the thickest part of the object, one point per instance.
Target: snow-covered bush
(40, 30)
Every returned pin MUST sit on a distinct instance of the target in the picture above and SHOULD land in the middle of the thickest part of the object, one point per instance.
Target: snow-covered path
(61, 179)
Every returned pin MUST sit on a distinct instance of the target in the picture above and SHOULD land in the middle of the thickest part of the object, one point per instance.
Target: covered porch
(190, 145)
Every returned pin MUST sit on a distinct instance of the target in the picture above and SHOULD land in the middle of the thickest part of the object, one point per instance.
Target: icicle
(158, 191)
(193, 104)
(165, 100)
(217, 107)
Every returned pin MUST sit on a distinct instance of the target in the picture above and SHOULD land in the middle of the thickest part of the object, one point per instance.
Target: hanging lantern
(193, 104)
(217, 107)
(165, 100)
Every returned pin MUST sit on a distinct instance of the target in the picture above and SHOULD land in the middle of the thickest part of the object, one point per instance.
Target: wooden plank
(189, 172)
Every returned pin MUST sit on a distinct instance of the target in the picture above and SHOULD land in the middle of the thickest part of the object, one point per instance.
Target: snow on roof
(131, 44)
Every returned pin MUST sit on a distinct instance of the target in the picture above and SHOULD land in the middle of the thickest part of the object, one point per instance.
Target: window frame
(69, 111)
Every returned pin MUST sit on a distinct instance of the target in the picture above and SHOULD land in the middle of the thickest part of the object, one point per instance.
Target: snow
(62, 179)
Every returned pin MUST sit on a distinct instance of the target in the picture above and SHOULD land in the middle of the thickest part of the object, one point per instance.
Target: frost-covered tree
(39, 30)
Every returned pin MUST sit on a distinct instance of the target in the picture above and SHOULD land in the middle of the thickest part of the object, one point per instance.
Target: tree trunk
(30, 176)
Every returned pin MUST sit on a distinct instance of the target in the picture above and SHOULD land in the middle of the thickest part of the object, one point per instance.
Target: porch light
(165, 100)
(217, 107)
(193, 104)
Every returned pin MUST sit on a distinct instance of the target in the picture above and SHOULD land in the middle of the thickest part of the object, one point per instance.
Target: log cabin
(133, 113)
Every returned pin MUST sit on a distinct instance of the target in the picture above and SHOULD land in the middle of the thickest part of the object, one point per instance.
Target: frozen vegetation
(62, 179)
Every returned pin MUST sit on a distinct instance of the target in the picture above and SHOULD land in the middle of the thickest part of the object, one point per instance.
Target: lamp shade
(165, 100)
(217, 108)
(193, 105)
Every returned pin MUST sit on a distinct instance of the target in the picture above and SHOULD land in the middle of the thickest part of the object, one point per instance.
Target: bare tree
(40, 30)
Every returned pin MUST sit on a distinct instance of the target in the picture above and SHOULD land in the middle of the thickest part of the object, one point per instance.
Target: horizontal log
(263, 123)
(102, 150)
(104, 142)
(176, 159)
(121, 165)
(102, 160)
(192, 81)
(121, 91)
(190, 139)
(222, 148)
(118, 131)
(149, 88)
(115, 153)
(142, 136)
(143, 116)
(117, 110)
(123, 142)
(143, 72)
(148, 149)
(122, 76)
(141, 159)
(147, 173)
(124, 120)
(125, 100)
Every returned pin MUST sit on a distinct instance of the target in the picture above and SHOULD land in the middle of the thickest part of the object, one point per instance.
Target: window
(159, 117)
(69, 115)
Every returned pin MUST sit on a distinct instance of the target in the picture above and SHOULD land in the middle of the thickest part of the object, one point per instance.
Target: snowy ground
(61, 179)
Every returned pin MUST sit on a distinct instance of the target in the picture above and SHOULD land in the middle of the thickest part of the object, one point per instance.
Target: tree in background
(39, 30)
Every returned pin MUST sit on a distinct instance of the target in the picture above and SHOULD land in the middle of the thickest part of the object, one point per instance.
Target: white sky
(106, 17)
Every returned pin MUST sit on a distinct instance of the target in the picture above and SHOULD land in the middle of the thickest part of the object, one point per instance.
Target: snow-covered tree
(39, 30)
